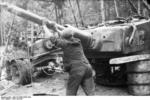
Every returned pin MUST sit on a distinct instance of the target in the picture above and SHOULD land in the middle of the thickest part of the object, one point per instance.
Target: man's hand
(52, 25)
(44, 21)
(46, 30)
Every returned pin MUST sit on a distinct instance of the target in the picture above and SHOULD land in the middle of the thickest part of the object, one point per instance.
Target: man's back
(73, 52)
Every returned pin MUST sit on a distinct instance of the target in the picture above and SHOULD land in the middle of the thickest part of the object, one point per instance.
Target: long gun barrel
(85, 37)
(30, 16)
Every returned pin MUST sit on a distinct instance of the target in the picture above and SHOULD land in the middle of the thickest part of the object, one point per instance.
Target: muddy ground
(55, 85)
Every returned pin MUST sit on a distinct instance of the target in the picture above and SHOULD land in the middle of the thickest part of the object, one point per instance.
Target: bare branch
(146, 5)
(133, 7)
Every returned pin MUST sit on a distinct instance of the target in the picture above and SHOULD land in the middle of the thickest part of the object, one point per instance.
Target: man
(75, 63)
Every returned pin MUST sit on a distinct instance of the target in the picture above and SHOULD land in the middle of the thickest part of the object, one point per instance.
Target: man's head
(68, 33)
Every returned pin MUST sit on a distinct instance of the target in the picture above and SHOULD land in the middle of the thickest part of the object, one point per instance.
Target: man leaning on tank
(74, 60)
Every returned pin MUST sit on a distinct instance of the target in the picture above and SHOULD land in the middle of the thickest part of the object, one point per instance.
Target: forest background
(79, 13)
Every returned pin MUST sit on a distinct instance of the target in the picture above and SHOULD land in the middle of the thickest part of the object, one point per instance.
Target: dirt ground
(55, 85)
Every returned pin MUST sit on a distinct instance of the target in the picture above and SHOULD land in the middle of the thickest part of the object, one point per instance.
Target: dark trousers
(80, 76)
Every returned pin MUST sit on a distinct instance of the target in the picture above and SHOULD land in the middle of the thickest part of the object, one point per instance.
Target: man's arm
(59, 42)
(47, 32)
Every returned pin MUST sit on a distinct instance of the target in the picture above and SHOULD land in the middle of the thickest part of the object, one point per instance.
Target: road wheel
(47, 44)
(21, 72)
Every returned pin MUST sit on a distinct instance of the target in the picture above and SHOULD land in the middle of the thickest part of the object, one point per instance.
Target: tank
(115, 49)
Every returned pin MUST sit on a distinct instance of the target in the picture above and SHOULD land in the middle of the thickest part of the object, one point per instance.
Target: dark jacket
(73, 51)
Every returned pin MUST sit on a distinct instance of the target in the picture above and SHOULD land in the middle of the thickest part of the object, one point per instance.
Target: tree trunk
(56, 14)
(102, 11)
(24, 5)
(139, 7)
(79, 10)
(73, 13)
(116, 8)
(0, 27)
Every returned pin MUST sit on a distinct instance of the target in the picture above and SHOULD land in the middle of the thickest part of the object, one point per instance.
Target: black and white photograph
(74, 48)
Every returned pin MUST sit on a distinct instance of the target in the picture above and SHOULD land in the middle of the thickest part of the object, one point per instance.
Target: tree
(102, 10)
